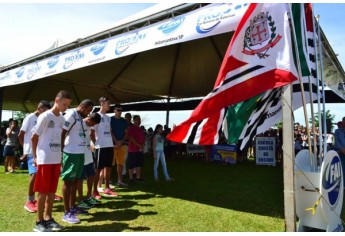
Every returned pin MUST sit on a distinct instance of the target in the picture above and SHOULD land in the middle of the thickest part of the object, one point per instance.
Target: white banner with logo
(265, 151)
(193, 149)
(210, 20)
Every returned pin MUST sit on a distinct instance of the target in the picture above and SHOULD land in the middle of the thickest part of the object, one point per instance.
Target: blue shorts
(88, 170)
(31, 168)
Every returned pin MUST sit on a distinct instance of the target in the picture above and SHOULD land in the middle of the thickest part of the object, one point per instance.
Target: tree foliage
(329, 120)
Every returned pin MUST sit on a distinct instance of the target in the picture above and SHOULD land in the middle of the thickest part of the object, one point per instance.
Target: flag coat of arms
(259, 58)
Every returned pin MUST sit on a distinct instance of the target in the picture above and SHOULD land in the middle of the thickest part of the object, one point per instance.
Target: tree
(329, 120)
(19, 116)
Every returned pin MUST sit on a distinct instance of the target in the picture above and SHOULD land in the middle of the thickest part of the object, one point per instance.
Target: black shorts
(135, 159)
(104, 157)
(88, 171)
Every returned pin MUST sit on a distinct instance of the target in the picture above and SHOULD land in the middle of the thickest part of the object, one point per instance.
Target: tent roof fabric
(183, 70)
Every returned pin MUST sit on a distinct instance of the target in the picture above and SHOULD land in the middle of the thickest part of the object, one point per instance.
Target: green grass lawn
(205, 197)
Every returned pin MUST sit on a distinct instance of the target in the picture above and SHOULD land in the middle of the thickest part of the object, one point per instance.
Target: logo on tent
(53, 61)
(5, 76)
(98, 48)
(72, 58)
(172, 25)
(331, 180)
(20, 72)
(210, 19)
(123, 44)
(33, 70)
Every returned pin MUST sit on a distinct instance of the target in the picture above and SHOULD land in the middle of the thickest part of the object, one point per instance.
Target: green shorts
(72, 166)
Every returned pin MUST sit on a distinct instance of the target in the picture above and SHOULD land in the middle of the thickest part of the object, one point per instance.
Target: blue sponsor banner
(224, 152)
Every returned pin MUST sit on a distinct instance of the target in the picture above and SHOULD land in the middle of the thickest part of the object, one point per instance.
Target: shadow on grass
(242, 187)
(111, 227)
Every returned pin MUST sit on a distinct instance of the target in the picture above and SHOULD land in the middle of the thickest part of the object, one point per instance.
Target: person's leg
(89, 183)
(6, 164)
(32, 172)
(101, 179)
(164, 167)
(124, 170)
(73, 193)
(155, 166)
(13, 162)
(107, 175)
(96, 179)
(120, 158)
(138, 172)
(66, 193)
(49, 206)
(41, 200)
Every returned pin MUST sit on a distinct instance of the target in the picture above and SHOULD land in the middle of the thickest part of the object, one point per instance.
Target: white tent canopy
(174, 51)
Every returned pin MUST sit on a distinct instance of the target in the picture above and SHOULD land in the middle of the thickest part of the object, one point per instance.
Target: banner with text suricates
(210, 20)
(265, 151)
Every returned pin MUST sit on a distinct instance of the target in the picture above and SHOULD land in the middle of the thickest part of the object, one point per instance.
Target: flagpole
(310, 83)
(312, 161)
(319, 102)
(324, 135)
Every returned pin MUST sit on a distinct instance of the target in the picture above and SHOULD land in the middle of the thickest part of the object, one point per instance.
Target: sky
(30, 28)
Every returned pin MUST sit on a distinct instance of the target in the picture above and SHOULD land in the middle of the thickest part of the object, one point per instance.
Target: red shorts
(47, 178)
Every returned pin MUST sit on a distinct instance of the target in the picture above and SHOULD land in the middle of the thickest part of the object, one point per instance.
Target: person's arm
(93, 136)
(21, 137)
(63, 137)
(9, 130)
(34, 142)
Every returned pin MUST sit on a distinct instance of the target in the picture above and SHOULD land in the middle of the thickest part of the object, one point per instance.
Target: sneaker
(96, 195)
(85, 205)
(57, 198)
(111, 186)
(100, 189)
(41, 226)
(140, 180)
(92, 201)
(169, 180)
(30, 207)
(78, 211)
(109, 193)
(35, 202)
(121, 184)
(53, 225)
(69, 217)
(132, 181)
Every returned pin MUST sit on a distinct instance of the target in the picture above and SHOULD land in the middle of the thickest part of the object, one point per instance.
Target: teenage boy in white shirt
(73, 142)
(101, 136)
(46, 147)
(25, 140)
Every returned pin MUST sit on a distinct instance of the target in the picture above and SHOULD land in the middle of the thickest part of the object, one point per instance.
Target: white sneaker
(100, 189)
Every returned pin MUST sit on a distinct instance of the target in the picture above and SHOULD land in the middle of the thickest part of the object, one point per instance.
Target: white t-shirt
(49, 128)
(103, 132)
(88, 154)
(28, 123)
(75, 140)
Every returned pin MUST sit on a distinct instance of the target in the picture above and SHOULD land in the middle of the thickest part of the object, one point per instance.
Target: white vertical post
(288, 161)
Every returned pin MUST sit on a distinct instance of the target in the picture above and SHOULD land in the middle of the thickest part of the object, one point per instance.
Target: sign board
(265, 151)
(193, 149)
(225, 153)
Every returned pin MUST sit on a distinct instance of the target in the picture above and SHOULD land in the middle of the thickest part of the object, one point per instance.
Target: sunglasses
(118, 109)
